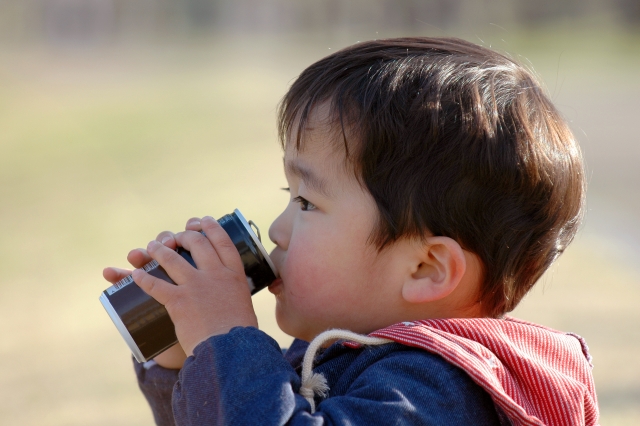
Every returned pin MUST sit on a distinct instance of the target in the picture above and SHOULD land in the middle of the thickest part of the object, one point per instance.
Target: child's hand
(173, 357)
(139, 257)
(206, 301)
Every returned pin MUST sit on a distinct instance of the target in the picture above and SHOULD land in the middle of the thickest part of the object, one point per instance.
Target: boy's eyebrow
(311, 180)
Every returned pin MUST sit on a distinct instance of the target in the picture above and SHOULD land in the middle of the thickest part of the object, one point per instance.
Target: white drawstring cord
(315, 383)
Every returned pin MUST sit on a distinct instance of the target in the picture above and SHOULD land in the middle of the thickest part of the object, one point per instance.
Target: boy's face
(331, 277)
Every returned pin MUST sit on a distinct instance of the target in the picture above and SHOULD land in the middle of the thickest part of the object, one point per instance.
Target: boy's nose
(280, 230)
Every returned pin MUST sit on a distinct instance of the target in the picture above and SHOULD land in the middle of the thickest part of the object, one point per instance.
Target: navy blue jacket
(243, 378)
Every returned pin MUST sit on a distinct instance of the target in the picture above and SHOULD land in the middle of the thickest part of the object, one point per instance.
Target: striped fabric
(536, 375)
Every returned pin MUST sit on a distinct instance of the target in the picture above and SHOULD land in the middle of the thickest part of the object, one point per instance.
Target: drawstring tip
(315, 384)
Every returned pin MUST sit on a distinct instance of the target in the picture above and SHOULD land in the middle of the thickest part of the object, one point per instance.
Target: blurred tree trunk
(630, 10)
(541, 11)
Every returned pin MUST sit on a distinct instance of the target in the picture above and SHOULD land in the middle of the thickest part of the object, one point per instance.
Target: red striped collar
(536, 375)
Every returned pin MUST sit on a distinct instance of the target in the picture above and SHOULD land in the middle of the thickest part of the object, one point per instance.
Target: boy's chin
(291, 329)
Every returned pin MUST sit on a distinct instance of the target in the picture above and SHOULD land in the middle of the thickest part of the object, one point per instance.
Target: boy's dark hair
(452, 139)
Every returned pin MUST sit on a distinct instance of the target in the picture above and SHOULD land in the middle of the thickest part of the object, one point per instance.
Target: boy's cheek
(304, 278)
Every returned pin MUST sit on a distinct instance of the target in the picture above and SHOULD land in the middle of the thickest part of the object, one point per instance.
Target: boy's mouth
(275, 286)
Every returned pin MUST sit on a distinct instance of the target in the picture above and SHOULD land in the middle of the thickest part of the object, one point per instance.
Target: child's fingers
(168, 239)
(222, 243)
(175, 265)
(203, 253)
(113, 275)
(138, 257)
(193, 224)
(157, 288)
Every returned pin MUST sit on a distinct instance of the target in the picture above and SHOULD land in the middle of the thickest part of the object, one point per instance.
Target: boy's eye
(305, 205)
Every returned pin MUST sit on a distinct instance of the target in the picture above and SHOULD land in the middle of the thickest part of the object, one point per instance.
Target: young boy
(432, 183)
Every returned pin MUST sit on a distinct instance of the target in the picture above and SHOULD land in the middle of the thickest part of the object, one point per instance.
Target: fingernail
(152, 244)
(165, 239)
(209, 218)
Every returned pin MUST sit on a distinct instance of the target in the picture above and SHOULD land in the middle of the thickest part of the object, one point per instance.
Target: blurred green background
(120, 119)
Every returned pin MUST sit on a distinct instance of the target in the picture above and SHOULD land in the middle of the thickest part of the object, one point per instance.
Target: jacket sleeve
(156, 384)
(241, 378)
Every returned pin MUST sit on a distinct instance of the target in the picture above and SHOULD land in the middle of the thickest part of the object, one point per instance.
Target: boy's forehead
(319, 164)
(321, 148)
(321, 142)
(323, 129)
(312, 176)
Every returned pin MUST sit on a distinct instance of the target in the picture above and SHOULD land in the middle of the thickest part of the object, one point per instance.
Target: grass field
(100, 149)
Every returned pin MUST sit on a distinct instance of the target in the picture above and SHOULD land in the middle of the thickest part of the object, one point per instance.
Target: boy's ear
(440, 268)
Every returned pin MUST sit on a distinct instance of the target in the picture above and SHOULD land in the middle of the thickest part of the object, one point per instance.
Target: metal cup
(145, 324)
